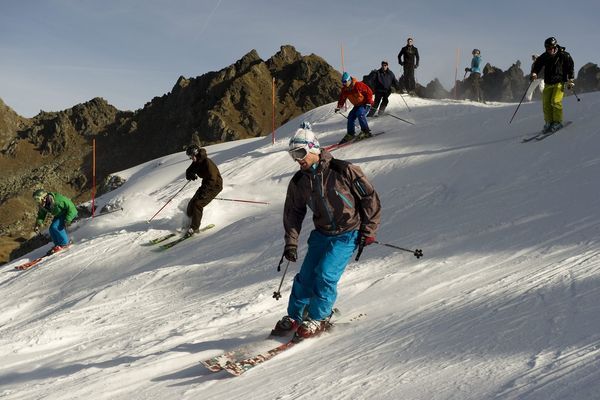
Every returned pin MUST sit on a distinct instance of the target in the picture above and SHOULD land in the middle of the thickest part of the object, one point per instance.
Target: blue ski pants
(315, 286)
(359, 112)
(58, 233)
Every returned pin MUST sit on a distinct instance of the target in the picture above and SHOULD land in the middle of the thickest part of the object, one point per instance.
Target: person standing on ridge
(361, 96)
(559, 70)
(383, 80)
(346, 215)
(212, 184)
(538, 82)
(409, 59)
(475, 75)
(64, 212)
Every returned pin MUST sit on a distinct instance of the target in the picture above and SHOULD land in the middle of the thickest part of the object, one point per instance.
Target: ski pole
(405, 102)
(575, 93)
(168, 202)
(417, 252)
(277, 294)
(401, 119)
(522, 98)
(242, 201)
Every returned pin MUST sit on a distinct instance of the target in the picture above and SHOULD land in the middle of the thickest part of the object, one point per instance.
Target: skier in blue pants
(315, 286)
(346, 214)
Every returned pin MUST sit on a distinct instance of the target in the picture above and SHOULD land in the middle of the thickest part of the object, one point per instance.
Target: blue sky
(58, 53)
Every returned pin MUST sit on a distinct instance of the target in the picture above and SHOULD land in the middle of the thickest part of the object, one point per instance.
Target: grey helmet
(39, 196)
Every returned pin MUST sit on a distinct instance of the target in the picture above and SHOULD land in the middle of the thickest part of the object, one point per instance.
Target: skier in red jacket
(361, 96)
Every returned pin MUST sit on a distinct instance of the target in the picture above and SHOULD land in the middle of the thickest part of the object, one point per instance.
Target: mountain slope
(503, 304)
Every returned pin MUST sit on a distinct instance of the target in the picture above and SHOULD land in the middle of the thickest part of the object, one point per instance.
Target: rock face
(588, 78)
(53, 150)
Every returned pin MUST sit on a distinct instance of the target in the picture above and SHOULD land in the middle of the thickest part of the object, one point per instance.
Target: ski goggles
(299, 153)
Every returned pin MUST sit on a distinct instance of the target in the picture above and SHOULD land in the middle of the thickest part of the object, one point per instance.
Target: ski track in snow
(503, 305)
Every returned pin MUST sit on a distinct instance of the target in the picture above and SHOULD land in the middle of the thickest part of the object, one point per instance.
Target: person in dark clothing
(559, 71)
(212, 184)
(382, 81)
(409, 59)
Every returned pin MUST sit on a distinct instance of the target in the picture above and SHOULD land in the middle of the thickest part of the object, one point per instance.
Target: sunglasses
(298, 153)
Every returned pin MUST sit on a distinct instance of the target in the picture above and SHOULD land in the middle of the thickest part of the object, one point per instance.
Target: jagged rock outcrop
(433, 90)
(236, 102)
(588, 78)
(10, 122)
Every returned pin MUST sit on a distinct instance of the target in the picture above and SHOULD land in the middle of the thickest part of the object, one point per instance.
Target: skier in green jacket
(64, 212)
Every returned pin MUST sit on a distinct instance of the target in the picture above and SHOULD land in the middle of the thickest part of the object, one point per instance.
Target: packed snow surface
(503, 305)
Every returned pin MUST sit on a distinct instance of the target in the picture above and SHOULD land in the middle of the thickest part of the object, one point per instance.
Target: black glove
(467, 69)
(291, 253)
(189, 175)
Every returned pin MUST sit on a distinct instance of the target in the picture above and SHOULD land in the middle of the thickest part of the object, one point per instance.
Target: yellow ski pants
(552, 102)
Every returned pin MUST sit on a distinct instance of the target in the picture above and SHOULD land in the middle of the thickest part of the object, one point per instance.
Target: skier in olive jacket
(212, 184)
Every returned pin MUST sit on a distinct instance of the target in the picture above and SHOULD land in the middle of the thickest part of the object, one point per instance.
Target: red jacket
(358, 93)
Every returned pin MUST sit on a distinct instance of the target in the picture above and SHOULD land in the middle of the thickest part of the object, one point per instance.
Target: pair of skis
(36, 261)
(168, 245)
(544, 135)
(336, 146)
(244, 358)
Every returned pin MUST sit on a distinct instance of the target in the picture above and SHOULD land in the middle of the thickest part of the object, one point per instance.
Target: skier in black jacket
(558, 72)
(409, 59)
(382, 86)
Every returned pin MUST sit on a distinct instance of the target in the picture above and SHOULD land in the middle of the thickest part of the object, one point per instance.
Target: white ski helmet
(304, 139)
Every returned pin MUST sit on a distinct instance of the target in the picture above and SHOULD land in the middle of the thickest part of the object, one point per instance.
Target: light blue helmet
(345, 77)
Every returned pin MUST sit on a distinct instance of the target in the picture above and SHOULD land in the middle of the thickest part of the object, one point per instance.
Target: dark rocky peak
(286, 55)
(242, 65)
(10, 122)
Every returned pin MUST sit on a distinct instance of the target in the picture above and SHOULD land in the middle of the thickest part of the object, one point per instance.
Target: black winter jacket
(206, 169)
(411, 57)
(384, 80)
(557, 68)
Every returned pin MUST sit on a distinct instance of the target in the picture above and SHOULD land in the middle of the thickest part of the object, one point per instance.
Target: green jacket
(62, 207)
